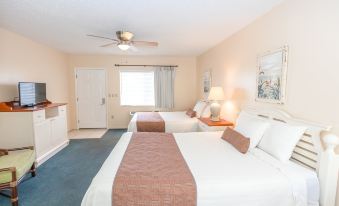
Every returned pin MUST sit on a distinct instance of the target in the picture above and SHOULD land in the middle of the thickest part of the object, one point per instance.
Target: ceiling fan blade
(102, 37)
(134, 49)
(107, 45)
(145, 43)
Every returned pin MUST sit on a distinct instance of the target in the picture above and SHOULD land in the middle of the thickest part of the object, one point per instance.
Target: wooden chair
(14, 164)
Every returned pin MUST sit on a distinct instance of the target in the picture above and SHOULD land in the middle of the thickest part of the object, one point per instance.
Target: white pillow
(280, 140)
(207, 111)
(251, 127)
(199, 107)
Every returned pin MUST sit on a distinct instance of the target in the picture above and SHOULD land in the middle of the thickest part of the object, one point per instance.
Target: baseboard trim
(51, 153)
(117, 128)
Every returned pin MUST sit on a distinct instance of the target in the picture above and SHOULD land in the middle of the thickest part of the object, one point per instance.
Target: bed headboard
(309, 151)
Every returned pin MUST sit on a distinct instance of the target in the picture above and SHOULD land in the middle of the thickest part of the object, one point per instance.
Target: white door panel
(91, 98)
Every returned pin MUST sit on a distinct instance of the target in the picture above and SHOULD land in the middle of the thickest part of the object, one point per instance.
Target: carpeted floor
(64, 179)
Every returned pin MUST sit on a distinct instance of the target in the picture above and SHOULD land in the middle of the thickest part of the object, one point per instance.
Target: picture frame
(272, 76)
(207, 82)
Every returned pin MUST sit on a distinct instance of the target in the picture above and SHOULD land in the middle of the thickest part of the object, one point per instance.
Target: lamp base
(215, 119)
(215, 112)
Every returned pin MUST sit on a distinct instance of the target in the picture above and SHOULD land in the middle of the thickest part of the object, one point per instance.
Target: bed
(176, 121)
(224, 176)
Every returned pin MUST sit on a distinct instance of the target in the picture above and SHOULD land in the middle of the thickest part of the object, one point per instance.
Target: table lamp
(216, 94)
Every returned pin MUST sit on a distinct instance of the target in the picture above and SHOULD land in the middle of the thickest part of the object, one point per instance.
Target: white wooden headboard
(309, 151)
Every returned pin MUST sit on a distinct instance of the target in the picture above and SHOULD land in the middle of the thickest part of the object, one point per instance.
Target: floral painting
(206, 83)
(271, 79)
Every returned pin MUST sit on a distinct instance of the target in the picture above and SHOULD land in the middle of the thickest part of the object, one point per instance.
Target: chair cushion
(22, 160)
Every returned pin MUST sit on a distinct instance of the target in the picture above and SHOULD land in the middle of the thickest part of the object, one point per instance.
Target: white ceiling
(182, 27)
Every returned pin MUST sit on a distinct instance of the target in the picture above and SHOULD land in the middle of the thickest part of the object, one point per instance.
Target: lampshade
(216, 93)
(123, 46)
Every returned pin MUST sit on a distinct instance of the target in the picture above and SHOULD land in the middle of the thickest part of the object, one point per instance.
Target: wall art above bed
(207, 82)
(271, 76)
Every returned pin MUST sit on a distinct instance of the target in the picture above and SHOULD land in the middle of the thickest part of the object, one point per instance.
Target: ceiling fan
(125, 41)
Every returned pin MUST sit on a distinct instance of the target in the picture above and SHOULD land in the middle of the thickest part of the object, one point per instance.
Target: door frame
(76, 93)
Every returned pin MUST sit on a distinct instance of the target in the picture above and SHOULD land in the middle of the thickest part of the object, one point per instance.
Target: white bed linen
(223, 175)
(174, 122)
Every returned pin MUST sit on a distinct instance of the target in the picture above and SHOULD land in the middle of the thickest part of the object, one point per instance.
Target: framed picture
(271, 76)
(207, 82)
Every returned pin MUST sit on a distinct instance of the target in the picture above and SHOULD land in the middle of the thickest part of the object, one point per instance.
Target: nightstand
(206, 125)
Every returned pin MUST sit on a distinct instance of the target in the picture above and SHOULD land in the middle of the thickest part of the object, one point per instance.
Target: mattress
(174, 122)
(223, 175)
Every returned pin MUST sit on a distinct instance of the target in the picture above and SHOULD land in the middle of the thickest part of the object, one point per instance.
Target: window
(137, 88)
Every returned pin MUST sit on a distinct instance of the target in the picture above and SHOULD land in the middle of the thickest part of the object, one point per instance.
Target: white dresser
(44, 127)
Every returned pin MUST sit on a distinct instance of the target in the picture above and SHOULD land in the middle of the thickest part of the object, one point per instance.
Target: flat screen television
(31, 94)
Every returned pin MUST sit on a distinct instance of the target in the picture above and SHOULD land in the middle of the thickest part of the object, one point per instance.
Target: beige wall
(310, 29)
(185, 82)
(24, 60)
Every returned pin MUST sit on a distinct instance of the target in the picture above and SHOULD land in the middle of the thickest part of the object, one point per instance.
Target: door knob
(103, 101)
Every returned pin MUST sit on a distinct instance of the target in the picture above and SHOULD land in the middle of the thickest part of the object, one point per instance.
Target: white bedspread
(223, 175)
(174, 122)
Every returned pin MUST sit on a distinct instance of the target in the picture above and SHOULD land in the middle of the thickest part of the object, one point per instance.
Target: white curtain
(164, 87)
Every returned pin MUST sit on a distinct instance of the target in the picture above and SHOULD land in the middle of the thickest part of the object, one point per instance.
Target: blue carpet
(64, 179)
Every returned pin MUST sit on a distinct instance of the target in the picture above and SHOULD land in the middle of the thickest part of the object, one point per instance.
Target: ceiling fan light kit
(124, 41)
(123, 46)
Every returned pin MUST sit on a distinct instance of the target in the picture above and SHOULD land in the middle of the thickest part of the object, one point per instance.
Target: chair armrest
(12, 170)
(3, 152)
(20, 148)
(9, 169)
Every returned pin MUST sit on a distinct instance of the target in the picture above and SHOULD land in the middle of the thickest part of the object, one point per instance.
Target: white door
(91, 98)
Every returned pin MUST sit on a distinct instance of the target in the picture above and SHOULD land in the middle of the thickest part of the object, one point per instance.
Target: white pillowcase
(280, 140)
(251, 127)
(207, 111)
(199, 107)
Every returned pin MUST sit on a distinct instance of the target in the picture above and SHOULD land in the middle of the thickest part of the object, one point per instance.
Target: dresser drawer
(38, 116)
